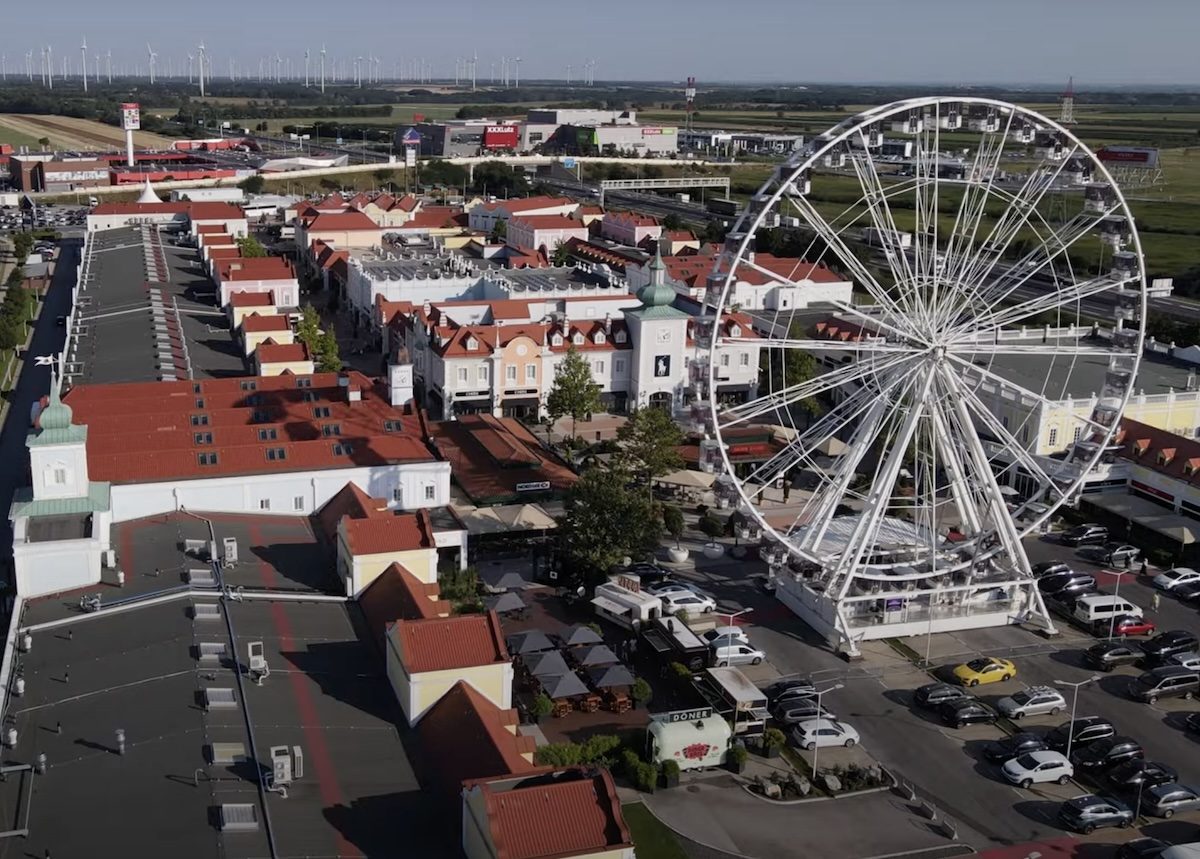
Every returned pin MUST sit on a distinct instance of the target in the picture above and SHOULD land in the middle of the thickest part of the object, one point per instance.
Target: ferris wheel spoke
(950, 447)
(842, 376)
(875, 345)
(1074, 293)
(988, 347)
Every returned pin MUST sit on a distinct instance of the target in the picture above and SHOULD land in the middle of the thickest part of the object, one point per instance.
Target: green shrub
(598, 749)
(629, 764)
(641, 691)
(669, 768)
(681, 671)
(542, 705)
(736, 755)
(773, 738)
(647, 777)
(558, 755)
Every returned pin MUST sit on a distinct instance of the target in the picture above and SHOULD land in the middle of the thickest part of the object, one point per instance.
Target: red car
(1127, 625)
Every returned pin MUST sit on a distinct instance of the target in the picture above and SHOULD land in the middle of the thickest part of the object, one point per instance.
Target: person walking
(1143, 571)
(1155, 599)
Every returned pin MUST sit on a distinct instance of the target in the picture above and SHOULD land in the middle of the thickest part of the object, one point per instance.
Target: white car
(725, 635)
(1170, 579)
(1189, 660)
(1038, 767)
(687, 601)
(737, 654)
(819, 733)
(1033, 701)
(661, 590)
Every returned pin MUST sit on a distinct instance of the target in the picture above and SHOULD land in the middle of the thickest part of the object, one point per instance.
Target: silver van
(1101, 608)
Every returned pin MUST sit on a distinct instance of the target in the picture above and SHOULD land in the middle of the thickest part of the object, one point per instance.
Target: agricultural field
(401, 114)
(66, 132)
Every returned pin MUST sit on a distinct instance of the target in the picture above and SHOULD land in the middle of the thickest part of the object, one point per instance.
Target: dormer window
(735, 331)
(620, 336)
(472, 343)
(1191, 466)
(577, 339)
(556, 340)
(1166, 455)
(599, 338)
(1141, 446)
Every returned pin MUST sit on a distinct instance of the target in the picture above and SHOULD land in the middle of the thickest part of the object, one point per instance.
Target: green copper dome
(57, 415)
(657, 293)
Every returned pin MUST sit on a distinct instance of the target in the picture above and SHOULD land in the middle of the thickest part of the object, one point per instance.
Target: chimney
(350, 393)
(400, 384)
(608, 323)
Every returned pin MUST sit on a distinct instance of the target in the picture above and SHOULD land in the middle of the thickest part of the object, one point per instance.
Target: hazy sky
(979, 41)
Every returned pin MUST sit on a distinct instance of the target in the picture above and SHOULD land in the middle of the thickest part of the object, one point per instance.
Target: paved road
(34, 383)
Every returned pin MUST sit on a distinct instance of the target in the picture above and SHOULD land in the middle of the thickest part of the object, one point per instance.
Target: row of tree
(322, 345)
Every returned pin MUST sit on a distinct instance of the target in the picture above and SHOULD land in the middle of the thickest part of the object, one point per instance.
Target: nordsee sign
(537, 486)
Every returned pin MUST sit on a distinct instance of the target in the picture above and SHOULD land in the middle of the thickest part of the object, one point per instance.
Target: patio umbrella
(497, 581)
(530, 641)
(574, 636)
(562, 685)
(599, 654)
(609, 676)
(505, 602)
(546, 663)
(1008, 491)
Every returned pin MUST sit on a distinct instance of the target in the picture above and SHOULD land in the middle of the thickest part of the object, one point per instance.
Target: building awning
(610, 606)
(1142, 511)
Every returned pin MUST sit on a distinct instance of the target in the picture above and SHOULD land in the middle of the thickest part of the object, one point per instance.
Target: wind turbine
(191, 59)
(152, 55)
(29, 65)
(517, 77)
(306, 68)
(109, 61)
(322, 70)
(474, 63)
(83, 56)
(201, 58)
(49, 67)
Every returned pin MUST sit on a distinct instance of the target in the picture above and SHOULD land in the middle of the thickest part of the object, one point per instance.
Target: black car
(1111, 554)
(1192, 723)
(1086, 729)
(1139, 774)
(1142, 848)
(1062, 585)
(1084, 535)
(1103, 754)
(1049, 568)
(648, 574)
(933, 695)
(1167, 644)
(966, 711)
(797, 686)
(1187, 592)
(1013, 745)
(1107, 655)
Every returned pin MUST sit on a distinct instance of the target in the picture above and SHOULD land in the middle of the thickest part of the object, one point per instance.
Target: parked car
(1164, 800)
(1083, 535)
(648, 574)
(666, 587)
(1166, 681)
(1098, 608)
(1167, 644)
(1014, 744)
(1142, 848)
(933, 695)
(1110, 554)
(966, 711)
(1084, 730)
(1049, 568)
(1170, 579)
(1038, 767)
(819, 733)
(1126, 624)
(737, 654)
(1188, 592)
(794, 686)
(1140, 773)
(985, 669)
(793, 711)
(1104, 754)
(1107, 655)
(725, 634)
(1089, 812)
(688, 602)
(1062, 585)
(1189, 660)
(1033, 701)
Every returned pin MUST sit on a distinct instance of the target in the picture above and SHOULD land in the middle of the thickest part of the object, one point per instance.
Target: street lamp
(1074, 702)
(731, 615)
(817, 743)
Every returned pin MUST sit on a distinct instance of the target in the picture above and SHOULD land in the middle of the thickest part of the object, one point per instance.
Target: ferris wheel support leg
(847, 646)
(1037, 613)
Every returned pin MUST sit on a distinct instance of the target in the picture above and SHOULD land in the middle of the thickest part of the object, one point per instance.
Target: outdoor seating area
(575, 669)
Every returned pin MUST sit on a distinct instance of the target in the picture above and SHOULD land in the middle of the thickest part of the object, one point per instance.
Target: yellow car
(985, 669)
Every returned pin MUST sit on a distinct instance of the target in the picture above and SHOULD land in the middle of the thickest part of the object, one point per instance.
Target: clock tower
(658, 331)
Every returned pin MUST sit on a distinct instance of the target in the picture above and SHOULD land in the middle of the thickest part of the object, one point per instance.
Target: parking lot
(944, 764)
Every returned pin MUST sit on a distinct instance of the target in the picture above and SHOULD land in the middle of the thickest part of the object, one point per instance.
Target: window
(531, 372)
(577, 339)
(264, 504)
(331, 429)
(321, 412)
(199, 402)
(196, 388)
(207, 459)
(620, 337)
(260, 416)
(268, 434)
(472, 344)
(735, 331)
(199, 420)
(202, 438)
(724, 359)
(599, 338)
(60, 475)
(343, 449)
(254, 399)
(430, 493)
(398, 495)
(556, 340)
(1053, 440)
(619, 366)
(599, 366)
(1024, 433)
(462, 375)
(249, 386)
(744, 359)
(510, 372)
(481, 373)
(298, 502)
(309, 397)
(1076, 433)
(276, 454)
(303, 382)
(392, 426)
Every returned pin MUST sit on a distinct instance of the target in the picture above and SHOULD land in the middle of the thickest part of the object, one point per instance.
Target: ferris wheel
(942, 409)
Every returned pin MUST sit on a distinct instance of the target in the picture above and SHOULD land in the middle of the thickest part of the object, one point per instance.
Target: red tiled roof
(270, 352)
(406, 203)
(632, 218)
(210, 229)
(195, 211)
(215, 254)
(569, 814)
(255, 323)
(393, 532)
(351, 220)
(547, 222)
(143, 432)
(332, 203)
(527, 204)
(680, 235)
(433, 218)
(447, 643)
(396, 594)
(1175, 456)
(242, 298)
(350, 501)
(255, 268)
(491, 456)
(217, 239)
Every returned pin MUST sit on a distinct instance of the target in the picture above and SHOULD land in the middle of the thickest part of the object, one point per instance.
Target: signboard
(410, 156)
(76, 176)
(693, 715)
(1150, 490)
(569, 163)
(131, 116)
(501, 137)
(893, 604)
(662, 366)
(1133, 156)
(651, 131)
(630, 583)
(534, 486)
(412, 137)
(418, 117)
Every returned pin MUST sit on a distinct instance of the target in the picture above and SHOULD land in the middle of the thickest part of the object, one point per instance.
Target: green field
(651, 838)
(17, 139)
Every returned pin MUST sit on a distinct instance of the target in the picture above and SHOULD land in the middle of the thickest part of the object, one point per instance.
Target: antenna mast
(689, 94)
(1067, 116)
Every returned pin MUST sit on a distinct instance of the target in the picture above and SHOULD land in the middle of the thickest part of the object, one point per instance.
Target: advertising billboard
(1132, 156)
(131, 117)
(501, 137)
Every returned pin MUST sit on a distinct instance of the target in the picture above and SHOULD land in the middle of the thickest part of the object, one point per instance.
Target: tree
(326, 355)
(711, 526)
(499, 229)
(671, 221)
(784, 368)
(604, 522)
(12, 333)
(673, 522)
(562, 255)
(43, 142)
(22, 245)
(500, 179)
(308, 329)
(251, 247)
(574, 391)
(648, 445)
(253, 184)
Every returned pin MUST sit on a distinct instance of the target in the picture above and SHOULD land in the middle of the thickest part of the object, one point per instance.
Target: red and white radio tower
(1067, 116)
(689, 93)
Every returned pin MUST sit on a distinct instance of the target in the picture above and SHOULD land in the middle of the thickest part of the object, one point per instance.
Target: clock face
(664, 335)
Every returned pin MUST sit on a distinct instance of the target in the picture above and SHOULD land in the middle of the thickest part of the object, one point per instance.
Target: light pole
(731, 615)
(817, 742)
(1074, 703)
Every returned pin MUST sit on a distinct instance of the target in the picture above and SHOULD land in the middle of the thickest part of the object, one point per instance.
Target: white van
(1101, 608)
